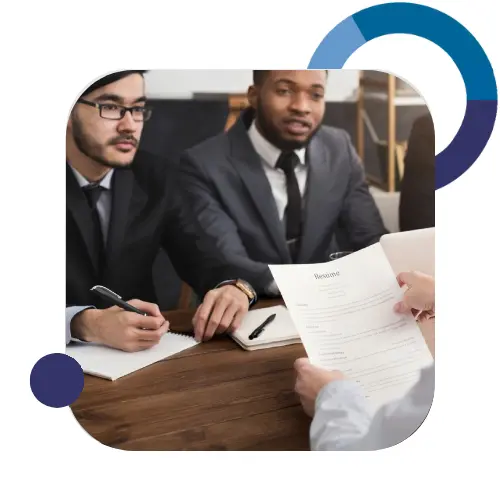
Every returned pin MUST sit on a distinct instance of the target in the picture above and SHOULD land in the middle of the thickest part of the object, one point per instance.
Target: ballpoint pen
(113, 298)
(260, 328)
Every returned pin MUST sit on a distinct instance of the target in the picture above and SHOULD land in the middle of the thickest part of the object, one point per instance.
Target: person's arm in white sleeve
(71, 312)
(342, 420)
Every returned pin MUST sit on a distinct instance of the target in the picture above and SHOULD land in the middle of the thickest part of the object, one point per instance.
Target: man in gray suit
(279, 187)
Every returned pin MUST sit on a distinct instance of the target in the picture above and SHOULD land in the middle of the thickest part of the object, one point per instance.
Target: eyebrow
(291, 82)
(118, 99)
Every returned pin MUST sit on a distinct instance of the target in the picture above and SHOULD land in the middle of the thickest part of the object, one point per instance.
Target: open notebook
(280, 332)
(112, 364)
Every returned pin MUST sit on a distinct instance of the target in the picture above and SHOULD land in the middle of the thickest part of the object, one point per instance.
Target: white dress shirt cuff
(71, 312)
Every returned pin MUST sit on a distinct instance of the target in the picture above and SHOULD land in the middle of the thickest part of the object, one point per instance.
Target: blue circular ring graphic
(453, 38)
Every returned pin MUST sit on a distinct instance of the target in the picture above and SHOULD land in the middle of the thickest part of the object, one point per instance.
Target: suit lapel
(319, 191)
(249, 167)
(80, 211)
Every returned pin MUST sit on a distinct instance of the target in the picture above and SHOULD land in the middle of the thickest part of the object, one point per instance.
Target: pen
(115, 299)
(260, 328)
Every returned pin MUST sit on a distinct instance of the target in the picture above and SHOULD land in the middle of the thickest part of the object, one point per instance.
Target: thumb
(401, 307)
(300, 364)
(406, 278)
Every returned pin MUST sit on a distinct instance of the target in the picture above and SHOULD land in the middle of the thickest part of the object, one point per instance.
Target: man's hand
(419, 296)
(222, 311)
(124, 330)
(310, 380)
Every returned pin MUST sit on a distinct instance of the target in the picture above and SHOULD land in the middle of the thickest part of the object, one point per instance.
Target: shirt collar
(82, 182)
(267, 151)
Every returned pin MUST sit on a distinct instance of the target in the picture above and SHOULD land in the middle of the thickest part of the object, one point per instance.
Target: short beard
(268, 130)
(93, 150)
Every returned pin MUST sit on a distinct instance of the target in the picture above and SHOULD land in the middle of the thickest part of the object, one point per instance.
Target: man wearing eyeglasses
(122, 207)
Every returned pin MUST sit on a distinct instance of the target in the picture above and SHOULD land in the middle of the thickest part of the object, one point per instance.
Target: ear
(252, 96)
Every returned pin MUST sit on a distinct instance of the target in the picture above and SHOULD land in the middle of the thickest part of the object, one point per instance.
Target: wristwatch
(244, 286)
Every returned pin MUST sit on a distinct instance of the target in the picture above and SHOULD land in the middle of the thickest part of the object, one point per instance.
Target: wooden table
(215, 396)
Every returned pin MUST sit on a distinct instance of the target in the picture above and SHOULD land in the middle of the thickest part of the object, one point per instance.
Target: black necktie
(93, 192)
(293, 212)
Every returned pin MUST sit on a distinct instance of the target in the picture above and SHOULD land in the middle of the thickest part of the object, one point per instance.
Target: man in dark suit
(122, 206)
(279, 187)
(417, 202)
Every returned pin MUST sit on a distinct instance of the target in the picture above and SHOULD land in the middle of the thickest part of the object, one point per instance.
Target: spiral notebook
(111, 364)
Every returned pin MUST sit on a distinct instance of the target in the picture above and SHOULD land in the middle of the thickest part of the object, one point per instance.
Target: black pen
(115, 299)
(260, 328)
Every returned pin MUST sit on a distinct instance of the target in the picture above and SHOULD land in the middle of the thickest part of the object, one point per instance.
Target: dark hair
(260, 75)
(113, 77)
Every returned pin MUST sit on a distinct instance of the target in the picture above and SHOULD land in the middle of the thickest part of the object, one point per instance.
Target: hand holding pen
(129, 326)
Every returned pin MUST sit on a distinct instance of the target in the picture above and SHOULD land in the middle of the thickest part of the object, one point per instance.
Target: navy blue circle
(56, 380)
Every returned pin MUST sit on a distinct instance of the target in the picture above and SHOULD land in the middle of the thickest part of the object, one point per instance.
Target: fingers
(147, 307)
(146, 322)
(419, 294)
(218, 311)
(227, 318)
(222, 310)
(203, 315)
(150, 335)
(237, 320)
(140, 340)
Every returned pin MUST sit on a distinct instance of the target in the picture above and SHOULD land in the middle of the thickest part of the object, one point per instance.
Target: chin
(121, 162)
(294, 142)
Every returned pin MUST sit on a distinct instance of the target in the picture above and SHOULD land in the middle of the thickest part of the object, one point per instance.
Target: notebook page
(344, 313)
(112, 364)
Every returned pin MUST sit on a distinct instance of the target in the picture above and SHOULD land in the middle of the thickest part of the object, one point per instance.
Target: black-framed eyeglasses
(117, 112)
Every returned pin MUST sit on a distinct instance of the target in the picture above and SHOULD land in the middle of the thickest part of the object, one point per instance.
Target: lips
(297, 126)
(125, 145)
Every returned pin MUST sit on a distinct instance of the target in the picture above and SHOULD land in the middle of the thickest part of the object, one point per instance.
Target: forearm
(342, 420)
(341, 417)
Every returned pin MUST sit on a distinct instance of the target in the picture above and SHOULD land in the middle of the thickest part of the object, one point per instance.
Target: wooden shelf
(391, 146)
(237, 103)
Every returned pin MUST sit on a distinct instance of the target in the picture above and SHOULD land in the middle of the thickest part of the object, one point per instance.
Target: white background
(49, 54)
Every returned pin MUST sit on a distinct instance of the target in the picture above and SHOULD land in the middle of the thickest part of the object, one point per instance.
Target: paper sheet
(344, 313)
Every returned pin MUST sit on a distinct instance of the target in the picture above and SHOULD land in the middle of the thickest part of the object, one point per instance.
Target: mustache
(122, 138)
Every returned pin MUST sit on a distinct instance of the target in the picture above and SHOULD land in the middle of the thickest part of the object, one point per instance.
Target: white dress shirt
(104, 210)
(269, 155)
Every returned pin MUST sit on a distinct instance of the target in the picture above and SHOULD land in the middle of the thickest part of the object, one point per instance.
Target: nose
(127, 123)
(301, 103)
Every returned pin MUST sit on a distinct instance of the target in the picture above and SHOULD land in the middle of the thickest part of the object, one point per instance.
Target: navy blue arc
(452, 37)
